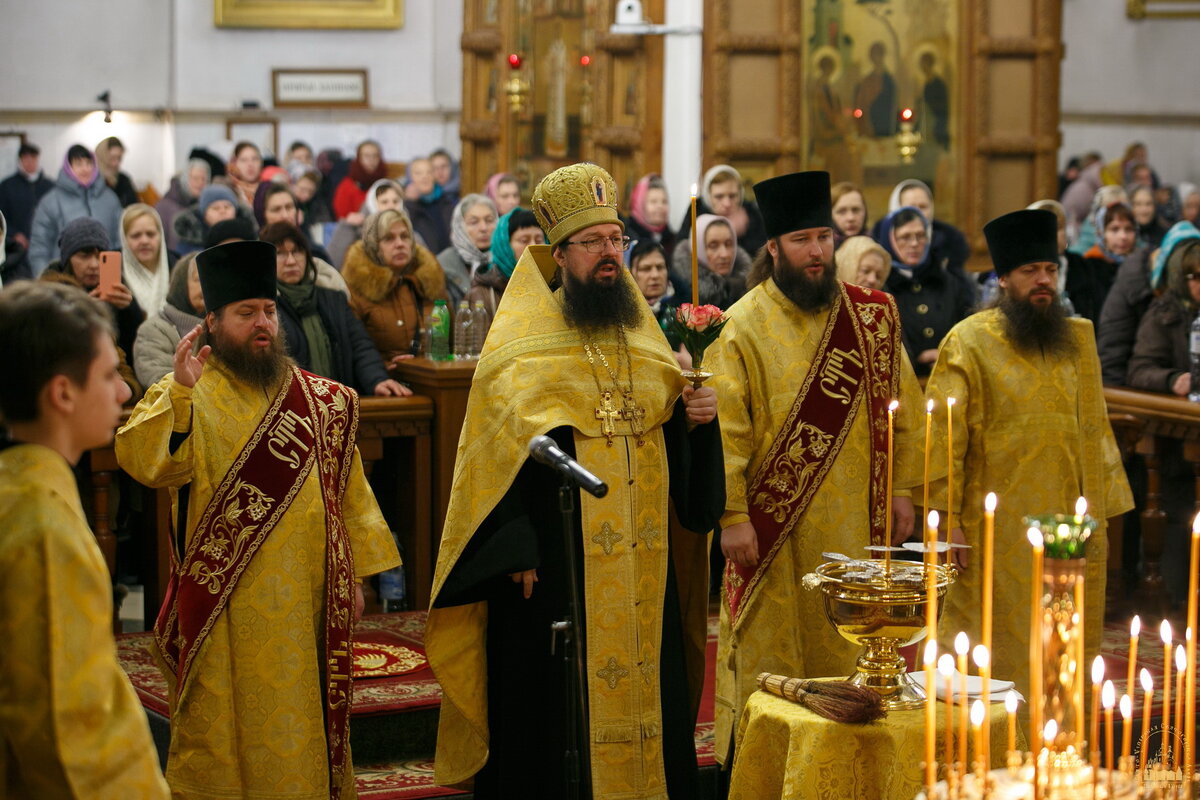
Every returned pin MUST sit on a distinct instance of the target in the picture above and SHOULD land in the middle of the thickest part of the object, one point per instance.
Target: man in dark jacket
(20, 193)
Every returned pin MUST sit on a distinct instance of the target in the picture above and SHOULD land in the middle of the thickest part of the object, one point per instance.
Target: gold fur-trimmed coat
(392, 303)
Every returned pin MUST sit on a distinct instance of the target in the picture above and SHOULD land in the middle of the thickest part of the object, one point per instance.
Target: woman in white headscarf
(383, 194)
(147, 262)
(471, 227)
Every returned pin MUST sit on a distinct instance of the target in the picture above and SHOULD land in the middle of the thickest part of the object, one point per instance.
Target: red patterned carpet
(391, 678)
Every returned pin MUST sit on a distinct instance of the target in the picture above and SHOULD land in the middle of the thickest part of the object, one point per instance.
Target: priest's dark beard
(1037, 329)
(592, 306)
(810, 294)
(263, 369)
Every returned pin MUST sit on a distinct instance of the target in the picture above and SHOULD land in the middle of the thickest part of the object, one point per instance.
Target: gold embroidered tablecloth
(784, 750)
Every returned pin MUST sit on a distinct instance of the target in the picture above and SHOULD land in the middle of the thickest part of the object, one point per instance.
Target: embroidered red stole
(311, 423)
(858, 360)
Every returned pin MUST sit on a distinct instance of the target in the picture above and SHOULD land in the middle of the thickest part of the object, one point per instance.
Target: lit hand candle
(1180, 674)
(930, 717)
(983, 662)
(946, 670)
(1147, 696)
(1165, 632)
(1109, 700)
(1135, 629)
(949, 473)
(695, 255)
(1035, 644)
(961, 647)
(887, 521)
(928, 434)
(1189, 760)
(977, 714)
(931, 577)
(1126, 706)
(1097, 680)
(989, 538)
(1010, 706)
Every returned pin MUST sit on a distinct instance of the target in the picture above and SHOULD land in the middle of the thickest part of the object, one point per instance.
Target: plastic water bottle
(1194, 352)
(392, 588)
(481, 321)
(439, 332)
(462, 331)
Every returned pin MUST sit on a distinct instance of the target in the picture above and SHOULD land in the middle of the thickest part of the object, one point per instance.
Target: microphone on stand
(543, 449)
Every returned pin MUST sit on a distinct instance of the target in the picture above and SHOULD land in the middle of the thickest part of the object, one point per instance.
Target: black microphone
(543, 449)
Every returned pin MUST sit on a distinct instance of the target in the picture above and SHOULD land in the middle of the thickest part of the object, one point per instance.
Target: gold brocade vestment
(760, 362)
(251, 720)
(70, 723)
(1033, 429)
(533, 376)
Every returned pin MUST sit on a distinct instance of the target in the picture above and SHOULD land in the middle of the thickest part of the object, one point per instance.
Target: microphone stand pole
(577, 758)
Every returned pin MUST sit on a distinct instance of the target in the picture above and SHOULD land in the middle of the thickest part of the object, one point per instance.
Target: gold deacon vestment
(250, 722)
(533, 377)
(1033, 429)
(70, 723)
(760, 363)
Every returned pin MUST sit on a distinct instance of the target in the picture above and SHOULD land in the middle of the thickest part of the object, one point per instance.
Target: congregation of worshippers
(364, 259)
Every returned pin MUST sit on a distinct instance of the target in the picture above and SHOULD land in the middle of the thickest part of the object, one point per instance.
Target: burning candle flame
(950, 401)
(933, 519)
(1108, 695)
(980, 656)
(1147, 680)
(1164, 631)
(930, 652)
(946, 665)
(1126, 707)
(1098, 670)
(961, 644)
(1080, 507)
(989, 503)
(977, 713)
(1135, 626)
(1010, 702)
(1035, 538)
(1180, 658)
(1050, 731)
(892, 406)
(1196, 526)
(929, 406)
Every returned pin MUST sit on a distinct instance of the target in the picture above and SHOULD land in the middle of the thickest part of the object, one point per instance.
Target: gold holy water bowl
(881, 611)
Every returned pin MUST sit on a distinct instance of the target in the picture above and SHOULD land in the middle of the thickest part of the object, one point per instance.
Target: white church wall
(1125, 80)
(199, 75)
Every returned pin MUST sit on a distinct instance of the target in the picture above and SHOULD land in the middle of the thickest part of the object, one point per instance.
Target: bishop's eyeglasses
(597, 245)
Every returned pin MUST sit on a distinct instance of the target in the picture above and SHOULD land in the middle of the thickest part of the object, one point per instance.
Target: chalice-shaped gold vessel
(881, 609)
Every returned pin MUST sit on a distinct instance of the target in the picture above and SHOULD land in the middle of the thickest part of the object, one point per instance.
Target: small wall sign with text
(324, 88)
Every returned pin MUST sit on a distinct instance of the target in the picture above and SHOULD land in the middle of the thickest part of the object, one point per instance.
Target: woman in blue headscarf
(931, 297)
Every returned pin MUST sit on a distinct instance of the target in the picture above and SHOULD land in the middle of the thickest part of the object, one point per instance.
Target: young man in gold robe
(575, 354)
(1031, 425)
(805, 370)
(278, 526)
(70, 723)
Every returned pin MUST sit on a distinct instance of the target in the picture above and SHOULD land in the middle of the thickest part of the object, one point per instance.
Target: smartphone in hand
(110, 270)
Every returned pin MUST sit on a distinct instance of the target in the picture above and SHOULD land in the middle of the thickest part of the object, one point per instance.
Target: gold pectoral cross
(608, 414)
(635, 415)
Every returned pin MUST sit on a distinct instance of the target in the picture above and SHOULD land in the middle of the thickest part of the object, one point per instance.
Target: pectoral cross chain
(608, 414)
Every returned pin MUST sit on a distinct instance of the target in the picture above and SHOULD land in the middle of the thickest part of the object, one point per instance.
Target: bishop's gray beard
(1037, 329)
(594, 306)
(263, 369)
(810, 294)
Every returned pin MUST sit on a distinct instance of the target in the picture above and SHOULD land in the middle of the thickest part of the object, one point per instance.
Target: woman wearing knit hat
(217, 203)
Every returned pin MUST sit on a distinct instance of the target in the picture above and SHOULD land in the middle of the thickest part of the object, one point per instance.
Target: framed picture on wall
(10, 143)
(262, 131)
(319, 88)
(334, 14)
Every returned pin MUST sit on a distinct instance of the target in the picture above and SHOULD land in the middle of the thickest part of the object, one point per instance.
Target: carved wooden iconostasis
(824, 84)
(545, 84)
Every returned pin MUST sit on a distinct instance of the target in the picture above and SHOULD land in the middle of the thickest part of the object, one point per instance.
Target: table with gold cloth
(783, 750)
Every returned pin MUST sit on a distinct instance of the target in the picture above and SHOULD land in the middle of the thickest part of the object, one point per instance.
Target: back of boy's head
(46, 329)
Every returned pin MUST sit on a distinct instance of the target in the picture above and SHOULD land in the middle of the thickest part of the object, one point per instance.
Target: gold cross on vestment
(635, 415)
(608, 414)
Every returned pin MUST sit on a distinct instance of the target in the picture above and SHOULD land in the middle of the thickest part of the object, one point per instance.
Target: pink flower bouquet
(698, 327)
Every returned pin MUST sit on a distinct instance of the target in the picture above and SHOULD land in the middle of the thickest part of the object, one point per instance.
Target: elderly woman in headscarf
(650, 214)
(382, 194)
(320, 331)
(946, 242)
(931, 297)
(158, 337)
(722, 194)
(722, 264)
(147, 262)
(863, 262)
(393, 282)
(471, 229)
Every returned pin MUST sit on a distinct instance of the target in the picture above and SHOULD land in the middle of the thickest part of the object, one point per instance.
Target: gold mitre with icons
(573, 198)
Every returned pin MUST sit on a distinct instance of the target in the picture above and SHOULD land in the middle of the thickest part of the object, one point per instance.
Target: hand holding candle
(695, 254)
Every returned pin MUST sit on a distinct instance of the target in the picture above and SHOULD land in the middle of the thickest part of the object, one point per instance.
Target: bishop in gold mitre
(575, 354)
